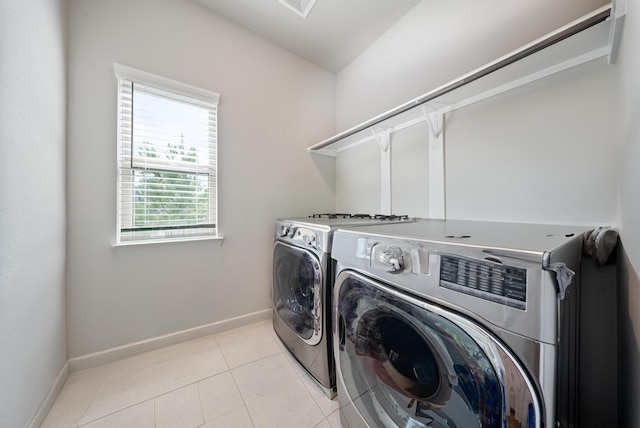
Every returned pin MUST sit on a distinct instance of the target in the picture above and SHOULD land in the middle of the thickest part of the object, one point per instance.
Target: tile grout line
(204, 421)
(242, 398)
(121, 410)
(93, 397)
(238, 387)
(313, 400)
(230, 370)
(148, 399)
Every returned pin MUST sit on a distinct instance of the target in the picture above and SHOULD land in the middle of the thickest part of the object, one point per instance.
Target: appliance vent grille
(301, 7)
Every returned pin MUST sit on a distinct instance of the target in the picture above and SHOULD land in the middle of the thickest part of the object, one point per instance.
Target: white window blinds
(167, 158)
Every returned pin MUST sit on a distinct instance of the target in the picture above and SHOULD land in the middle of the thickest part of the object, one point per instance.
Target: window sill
(166, 241)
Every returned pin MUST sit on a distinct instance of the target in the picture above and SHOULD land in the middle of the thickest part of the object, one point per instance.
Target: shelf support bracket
(615, 34)
(383, 137)
(432, 119)
(436, 120)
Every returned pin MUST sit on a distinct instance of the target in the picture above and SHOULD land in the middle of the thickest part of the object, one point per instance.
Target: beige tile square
(126, 383)
(74, 398)
(267, 323)
(246, 344)
(145, 376)
(266, 376)
(179, 408)
(292, 407)
(219, 395)
(138, 416)
(191, 361)
(238, 418)
(297, 367)
(334, 419)
(275, 397)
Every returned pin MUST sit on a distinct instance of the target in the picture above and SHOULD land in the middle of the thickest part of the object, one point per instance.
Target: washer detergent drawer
(404, 362)
(297, 291)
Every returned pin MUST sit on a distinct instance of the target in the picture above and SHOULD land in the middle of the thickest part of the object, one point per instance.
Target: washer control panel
(490, 281)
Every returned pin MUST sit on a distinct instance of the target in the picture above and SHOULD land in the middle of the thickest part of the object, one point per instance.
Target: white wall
(358, 170)
(542, 153)
(629, 287)
(438, 41)
(273, 106)
(539, 153)
(32, 205)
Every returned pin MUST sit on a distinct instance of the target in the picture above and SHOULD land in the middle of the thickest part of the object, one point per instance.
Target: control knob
(393, 258)
(284, 230)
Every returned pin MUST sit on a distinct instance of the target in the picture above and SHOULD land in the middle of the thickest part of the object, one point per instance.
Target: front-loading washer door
(407, 363)
(297, 291)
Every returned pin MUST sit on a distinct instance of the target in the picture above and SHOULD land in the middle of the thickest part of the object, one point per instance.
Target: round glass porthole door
(297, 288)
(404, 365)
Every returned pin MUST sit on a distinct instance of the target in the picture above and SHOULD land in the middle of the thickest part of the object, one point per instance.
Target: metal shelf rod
(569, 30)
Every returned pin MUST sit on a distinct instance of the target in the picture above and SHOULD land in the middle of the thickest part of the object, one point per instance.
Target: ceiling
(333, 34)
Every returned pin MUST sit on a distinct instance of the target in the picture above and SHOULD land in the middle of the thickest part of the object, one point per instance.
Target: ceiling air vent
(301, 7)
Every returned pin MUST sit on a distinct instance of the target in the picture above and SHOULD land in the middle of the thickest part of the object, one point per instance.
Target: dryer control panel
(299, 235)
(490, 281)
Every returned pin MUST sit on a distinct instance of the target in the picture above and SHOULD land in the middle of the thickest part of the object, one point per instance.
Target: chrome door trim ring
(318, 306)
(491, 344)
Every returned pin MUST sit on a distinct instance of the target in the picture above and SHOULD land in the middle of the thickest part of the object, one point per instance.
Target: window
(167, 159)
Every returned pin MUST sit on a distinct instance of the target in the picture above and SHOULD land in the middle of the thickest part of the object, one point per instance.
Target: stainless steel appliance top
(334, 220)
(315, 231)
(533, 240)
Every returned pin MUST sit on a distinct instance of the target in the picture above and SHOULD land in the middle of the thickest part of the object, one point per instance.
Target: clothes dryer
(301, 287)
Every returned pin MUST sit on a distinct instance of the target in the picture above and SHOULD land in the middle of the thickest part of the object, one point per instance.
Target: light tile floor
(241, 378)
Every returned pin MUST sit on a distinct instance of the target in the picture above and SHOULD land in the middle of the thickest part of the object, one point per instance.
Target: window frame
(127, 79)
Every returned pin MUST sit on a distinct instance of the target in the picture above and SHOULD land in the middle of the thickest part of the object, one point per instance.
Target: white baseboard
(51, 397)
(132, 349)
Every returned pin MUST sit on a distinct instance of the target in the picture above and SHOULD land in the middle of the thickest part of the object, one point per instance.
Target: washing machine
(463, 324)
(301, 287)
